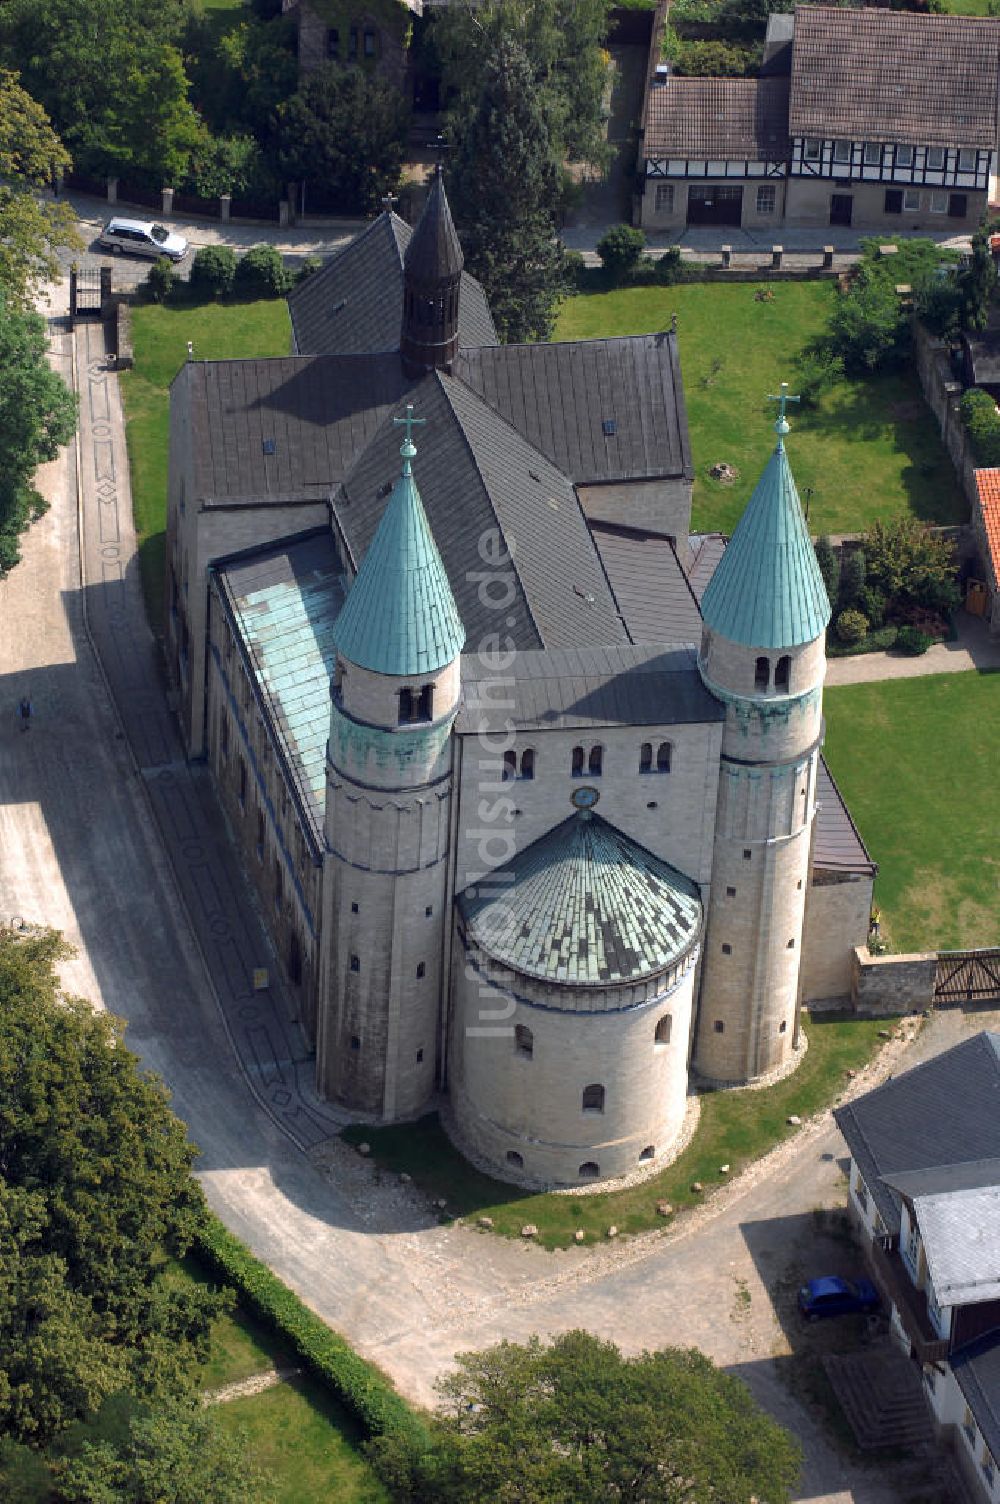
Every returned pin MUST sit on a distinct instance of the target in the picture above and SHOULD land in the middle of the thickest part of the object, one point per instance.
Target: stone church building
(526, 776)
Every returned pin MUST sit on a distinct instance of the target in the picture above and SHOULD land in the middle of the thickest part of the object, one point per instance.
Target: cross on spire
(389, 201)
(440, 147)
(408, 448)
(781, 427)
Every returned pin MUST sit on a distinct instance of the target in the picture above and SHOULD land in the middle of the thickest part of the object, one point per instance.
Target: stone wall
(838, 905)
(892, 984)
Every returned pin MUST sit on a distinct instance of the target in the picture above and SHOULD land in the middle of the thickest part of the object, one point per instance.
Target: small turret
(432, 280)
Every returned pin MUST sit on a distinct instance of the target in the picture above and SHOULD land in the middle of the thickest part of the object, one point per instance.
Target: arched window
(405, 706)
(514, 1159)
(528, 763)
(646, 757)
(524, 1041)
(783, 672)
(762, 674)
(663, 1026)
(509, 766)
(589, 1170)
(577, 762)
(647, 1153)
(663, 755)
(593, 1098)
(594, 761)
(425, 710)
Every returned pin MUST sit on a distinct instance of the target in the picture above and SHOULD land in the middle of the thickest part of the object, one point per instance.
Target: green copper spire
(767, 591)
(400, 616)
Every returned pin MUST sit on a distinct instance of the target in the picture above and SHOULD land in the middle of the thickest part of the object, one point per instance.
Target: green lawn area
(219, 331)
(916, 761)
(870, 449)
(735, 1128)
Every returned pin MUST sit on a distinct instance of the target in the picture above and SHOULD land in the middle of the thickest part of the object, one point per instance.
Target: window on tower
(577, 762)
(646, 757)
(762, 674)
(405, 706)
(783, 672)
(425, 707)
(595, 761)
(593, 1098)
(528, 763)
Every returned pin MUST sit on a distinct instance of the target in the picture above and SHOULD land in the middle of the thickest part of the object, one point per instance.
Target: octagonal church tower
(388, 802)
(763, 655)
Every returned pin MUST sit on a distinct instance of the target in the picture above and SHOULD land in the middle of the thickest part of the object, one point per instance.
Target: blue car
(837, 1297)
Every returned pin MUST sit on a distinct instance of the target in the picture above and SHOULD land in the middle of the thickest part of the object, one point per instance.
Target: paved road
(84, 841)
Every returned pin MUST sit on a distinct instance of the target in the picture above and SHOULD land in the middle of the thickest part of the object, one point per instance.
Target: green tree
(852, 577)
(978, 281)
(346, 129)
(37, 415)
(503, 182)
(95, 1174)
(620, 250)
(826, 558)
(31, 231)
(575, 1420)
(911, 565)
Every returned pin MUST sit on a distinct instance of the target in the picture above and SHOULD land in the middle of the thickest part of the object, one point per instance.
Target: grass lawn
(735, 1127)
(219, 331)
(916, 760)
(870, 449)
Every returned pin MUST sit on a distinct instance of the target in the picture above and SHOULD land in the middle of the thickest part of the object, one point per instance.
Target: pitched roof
(767, 591)
(988, 498)
(882, 75)
(400, 616)
(566, 688)
(354, 304)
(742, 118)
(961, 1237)
(434, 253)
(977, 1370)
(585, 906)
(945, 1111)
(600, 409)
(649, 585)
(837, 843)
(706, 551)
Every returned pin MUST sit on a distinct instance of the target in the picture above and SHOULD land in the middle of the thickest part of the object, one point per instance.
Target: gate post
(73, 274)
(105, 285)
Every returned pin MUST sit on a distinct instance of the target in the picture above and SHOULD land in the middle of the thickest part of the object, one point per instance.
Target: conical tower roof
(767, 591)
(400, 616)
(435, 253)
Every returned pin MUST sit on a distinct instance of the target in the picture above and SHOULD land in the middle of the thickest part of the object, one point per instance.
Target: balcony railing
(896, 1288)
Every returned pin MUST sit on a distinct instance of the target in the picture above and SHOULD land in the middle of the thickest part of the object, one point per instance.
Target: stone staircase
(882, 1397)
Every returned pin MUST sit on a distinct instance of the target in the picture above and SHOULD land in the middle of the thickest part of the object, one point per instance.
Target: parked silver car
(142, 237)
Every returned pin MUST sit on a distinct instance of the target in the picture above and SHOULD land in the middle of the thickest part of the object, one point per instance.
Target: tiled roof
(741, 118)
(837, 843)
(400, 616)
(601, 409)
(586, 906)
(767, 591)
(354, 304)
(589, 687)
(887, 75)
(988, 494)
(943, 1112)
(961, 1237)
(285, 600)
(649, 585)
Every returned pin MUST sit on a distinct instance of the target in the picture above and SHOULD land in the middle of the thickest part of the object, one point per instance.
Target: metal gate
(88, 287)
(967, 976)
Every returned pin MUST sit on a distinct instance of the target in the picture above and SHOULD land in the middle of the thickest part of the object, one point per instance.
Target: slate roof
(943, 1112)
(434, 252)
(881, 75)
(706, 551)
(354, 304)
(767, 591)
(400, 615)
(837, 843)
(977, 1369)
(600, 409)
(988, 499)
(585, 906)
(589, 687)
(961, 1237)
(649, 586)
(285, 600)
(721, 118)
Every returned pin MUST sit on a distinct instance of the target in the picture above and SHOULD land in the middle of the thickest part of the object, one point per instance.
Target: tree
(31, 232)
(503, 183)
(346, 129)
(575, 1420)
(95, 1186)
(911, 565)
(978, 281)
(620, 250)
(37, 415)
(826, 558)
(852, 577)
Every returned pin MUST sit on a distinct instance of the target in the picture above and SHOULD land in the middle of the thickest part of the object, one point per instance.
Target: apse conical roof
(400, 616)
(434, 254)
(767, 590)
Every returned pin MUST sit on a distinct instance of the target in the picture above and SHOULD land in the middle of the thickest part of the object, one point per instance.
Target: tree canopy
(576, 1420)
(31, 231)
(346, 129)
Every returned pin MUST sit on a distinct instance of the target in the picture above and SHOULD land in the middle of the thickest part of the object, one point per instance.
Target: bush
(160, 279)
(213, 270)
(575, 269)
(620, 249)
(851, 627)
(982, 422)
(938, 305)
(310, 265)
(872, 603)
(912, 642)
(852, 578)
(261, 273)
(875, 642)
(912, 566)
(667, 268)
(711, 59)
(359, 1387)
(819, 368)
(827, 561)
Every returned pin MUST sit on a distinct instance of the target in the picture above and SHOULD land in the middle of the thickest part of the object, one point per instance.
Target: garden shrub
(851, 627)
(852, 578)
(912, 641)
(667, 268)
(620, 249)
(575, 269)
(875, 642)
(819, 368)
(912, 565)
(213, 270)
(982, 423)
(310, 265)
(828, 567)
(713, 59)
(358, 1385)
(160, 279)
(260, 273)
(872, 603)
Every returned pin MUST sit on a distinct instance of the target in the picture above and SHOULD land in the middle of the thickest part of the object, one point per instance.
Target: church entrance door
(714, 204)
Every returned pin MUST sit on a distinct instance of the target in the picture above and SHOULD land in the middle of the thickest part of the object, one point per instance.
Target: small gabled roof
(961, 1236)
(767, 591)
(400, 616)
(721, 118)
(585, 906)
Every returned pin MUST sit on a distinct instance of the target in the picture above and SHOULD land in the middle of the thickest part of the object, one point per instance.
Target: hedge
(875, 642)
(364, 1393)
